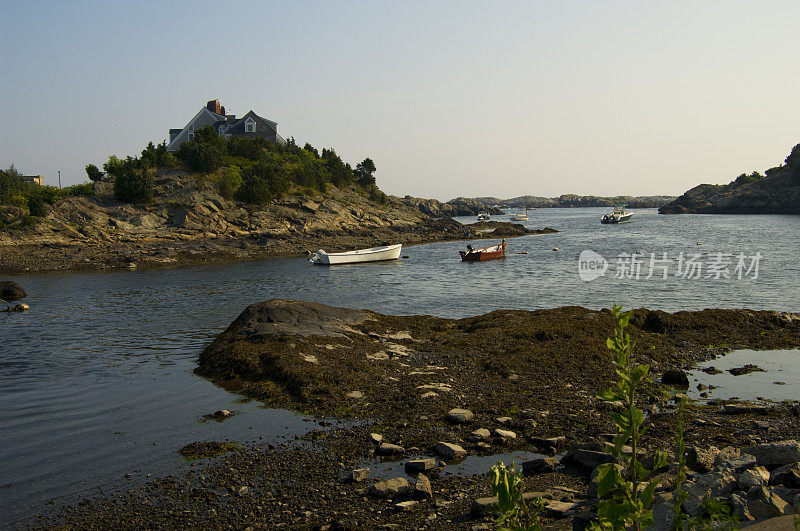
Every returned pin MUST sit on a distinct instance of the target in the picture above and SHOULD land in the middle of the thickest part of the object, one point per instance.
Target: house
(35, 179)
(250, 125)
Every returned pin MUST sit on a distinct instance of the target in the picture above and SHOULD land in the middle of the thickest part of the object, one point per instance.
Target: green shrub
(512, 509)
(132, 185)
(78, 190)
(229, 182)
(36, 205)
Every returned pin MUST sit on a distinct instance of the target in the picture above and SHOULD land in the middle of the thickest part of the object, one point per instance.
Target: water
(96, 380)
(780, 379)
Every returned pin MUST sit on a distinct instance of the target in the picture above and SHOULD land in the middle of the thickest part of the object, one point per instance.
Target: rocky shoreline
(189, 223)
(421, 391)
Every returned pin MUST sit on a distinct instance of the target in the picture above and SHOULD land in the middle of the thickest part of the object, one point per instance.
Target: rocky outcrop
(777, 192)
(460, 206)
(578, 201)
(188, 222)
(11, 291)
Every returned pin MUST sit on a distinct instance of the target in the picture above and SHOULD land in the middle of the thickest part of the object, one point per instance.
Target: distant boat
(619, 215)
(484, 216)
(521, 217)
(373, 254)
(482, 255)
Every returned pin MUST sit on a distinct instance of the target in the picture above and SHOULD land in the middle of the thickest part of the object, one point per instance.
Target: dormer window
(250, 126)
(220, 130)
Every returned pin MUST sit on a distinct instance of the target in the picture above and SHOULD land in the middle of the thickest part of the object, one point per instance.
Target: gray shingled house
(250, 125)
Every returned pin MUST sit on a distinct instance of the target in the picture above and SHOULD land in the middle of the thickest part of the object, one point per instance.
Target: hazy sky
(448, 98)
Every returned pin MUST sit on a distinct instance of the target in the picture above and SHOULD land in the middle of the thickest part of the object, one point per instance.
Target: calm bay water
(96, 380)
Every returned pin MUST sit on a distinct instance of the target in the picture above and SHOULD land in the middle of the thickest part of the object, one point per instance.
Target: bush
(36, 205)
(229, 182)
(78, 190)
(132, 185)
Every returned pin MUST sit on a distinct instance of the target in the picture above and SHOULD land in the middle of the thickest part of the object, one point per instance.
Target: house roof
(264, 128)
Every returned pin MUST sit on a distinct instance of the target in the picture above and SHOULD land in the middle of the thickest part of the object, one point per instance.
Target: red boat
(487, 253)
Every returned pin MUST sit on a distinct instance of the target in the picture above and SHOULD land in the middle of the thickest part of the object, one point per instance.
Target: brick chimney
(222, 110)
(213, 106)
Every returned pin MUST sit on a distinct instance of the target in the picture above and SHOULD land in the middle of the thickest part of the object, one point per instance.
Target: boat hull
(518, 217)
(373, 254)
(485, 254)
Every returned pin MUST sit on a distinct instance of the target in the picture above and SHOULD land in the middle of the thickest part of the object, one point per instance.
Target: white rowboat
(373, 254)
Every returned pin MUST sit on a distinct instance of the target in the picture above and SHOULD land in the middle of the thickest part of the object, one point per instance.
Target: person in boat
(469, 248)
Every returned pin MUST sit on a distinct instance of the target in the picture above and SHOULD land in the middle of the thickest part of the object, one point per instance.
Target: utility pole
(59, 178)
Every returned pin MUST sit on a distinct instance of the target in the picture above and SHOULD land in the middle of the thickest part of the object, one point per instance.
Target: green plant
(627, 505)
(680, 477)
(132, 185)
(513, 511)
(716, 514)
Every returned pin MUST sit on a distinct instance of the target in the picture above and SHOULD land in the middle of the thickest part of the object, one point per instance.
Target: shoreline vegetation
(423, 391)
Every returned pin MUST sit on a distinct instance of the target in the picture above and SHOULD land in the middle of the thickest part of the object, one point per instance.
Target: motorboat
(521, 217)
(484, 216)
(619, 215)
(373, 254)
(487, 253)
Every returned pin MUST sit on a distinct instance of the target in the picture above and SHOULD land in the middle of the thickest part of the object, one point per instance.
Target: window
(220, 130)
(250, 126)
(191, 136)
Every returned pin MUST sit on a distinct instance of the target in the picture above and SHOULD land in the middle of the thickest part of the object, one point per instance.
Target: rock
(787, 475)
(738, 464)
(390, 488)
(355, 394)
(17, 307)
(589, 459)
(747, 369)
(663, 516)
(753, 477)
(740, 508)
(763, 503)
(376, 438)
(389, 449)
(459, 416)
(675, 377)
(503, 420)
(11, 291)
(422, 488)
(701, 459)
(406, 506)
(505, 434)
(553, 443)
(540, 465)
(481, 434)
(420, 465)
(449, 451)
(359, 474)
(773, 454)
(744, 409)
(559, 509)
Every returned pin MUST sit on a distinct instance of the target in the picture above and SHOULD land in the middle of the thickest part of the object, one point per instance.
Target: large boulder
(775, 454)
(390, 488)
(11, 291)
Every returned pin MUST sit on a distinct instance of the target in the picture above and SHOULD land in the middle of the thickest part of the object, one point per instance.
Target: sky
(449, 98)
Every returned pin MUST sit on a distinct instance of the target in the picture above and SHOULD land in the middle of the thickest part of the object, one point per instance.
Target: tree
(364, 172)
(94, 173)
